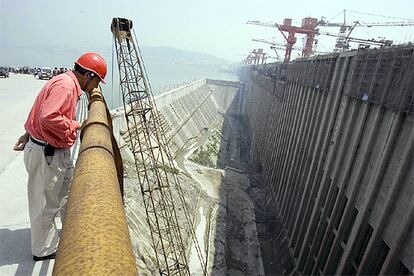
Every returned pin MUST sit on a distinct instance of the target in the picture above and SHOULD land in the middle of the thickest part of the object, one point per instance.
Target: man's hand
(21, 142)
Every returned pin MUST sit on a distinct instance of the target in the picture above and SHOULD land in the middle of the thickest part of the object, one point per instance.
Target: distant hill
(37, 55)
(172, 55)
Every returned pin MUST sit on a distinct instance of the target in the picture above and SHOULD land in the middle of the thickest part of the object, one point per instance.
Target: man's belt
(48, 149)
(37, 142)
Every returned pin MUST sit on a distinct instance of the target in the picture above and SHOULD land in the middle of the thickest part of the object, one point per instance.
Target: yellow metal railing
(95, 238)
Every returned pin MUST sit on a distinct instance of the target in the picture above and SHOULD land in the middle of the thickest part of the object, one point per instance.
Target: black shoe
(48, 257)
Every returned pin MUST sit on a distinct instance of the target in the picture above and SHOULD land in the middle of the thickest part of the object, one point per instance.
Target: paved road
(17, 95)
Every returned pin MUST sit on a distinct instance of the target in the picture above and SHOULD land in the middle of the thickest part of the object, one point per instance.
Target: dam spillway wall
(188, 110)
(333, 140)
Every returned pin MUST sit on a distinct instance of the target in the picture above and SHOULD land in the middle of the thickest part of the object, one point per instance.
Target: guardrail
(95, 238)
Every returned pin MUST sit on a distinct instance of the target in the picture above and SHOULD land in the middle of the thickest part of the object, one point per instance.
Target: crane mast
(151, 154)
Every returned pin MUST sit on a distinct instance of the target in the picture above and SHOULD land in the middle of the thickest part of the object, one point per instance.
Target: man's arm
(53, 117)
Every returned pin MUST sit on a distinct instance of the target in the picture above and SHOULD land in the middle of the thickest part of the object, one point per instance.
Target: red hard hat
(94, 63)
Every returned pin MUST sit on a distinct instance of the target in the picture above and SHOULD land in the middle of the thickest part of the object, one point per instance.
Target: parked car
(45, 73)
(4, 72)
(36, 72)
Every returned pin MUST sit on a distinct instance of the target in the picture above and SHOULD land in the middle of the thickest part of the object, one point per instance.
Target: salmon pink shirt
(52, 118)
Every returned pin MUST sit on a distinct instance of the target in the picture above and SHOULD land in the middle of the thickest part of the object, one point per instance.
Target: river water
(164, 76)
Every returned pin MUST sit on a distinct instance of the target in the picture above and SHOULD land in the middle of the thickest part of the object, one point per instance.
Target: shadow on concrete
(15, 250)
(240, 242)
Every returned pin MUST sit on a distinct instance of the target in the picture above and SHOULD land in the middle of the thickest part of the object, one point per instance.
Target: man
(51, 129)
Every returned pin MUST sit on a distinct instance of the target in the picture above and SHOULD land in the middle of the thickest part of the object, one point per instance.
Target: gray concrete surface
(17, 95)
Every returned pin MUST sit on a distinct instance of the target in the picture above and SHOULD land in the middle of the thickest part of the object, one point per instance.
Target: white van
(45, 73)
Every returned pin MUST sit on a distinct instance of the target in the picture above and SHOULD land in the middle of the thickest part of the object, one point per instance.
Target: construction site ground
(218, 197)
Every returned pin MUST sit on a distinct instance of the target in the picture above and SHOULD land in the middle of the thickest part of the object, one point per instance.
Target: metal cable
(380, 15)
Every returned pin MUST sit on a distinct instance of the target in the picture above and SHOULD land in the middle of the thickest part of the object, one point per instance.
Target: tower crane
(308, 28)
(254, 57)
(343, 38)
(260, 55)
(152, 156)
(250, 59)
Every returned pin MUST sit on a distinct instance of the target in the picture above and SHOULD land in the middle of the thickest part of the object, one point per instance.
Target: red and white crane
(308, 28)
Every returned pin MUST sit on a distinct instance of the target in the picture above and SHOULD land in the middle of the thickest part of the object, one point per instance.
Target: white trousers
(47, 189)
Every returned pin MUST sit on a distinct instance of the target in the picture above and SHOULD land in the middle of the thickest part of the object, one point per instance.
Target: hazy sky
(216, 27)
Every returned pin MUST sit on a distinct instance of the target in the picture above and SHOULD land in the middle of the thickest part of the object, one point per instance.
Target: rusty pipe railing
(95, 238)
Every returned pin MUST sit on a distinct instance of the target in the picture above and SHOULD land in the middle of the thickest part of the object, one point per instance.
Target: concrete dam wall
(333, 137)
(188, 110)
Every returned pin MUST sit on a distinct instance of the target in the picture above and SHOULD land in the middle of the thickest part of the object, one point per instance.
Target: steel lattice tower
(150, 152)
